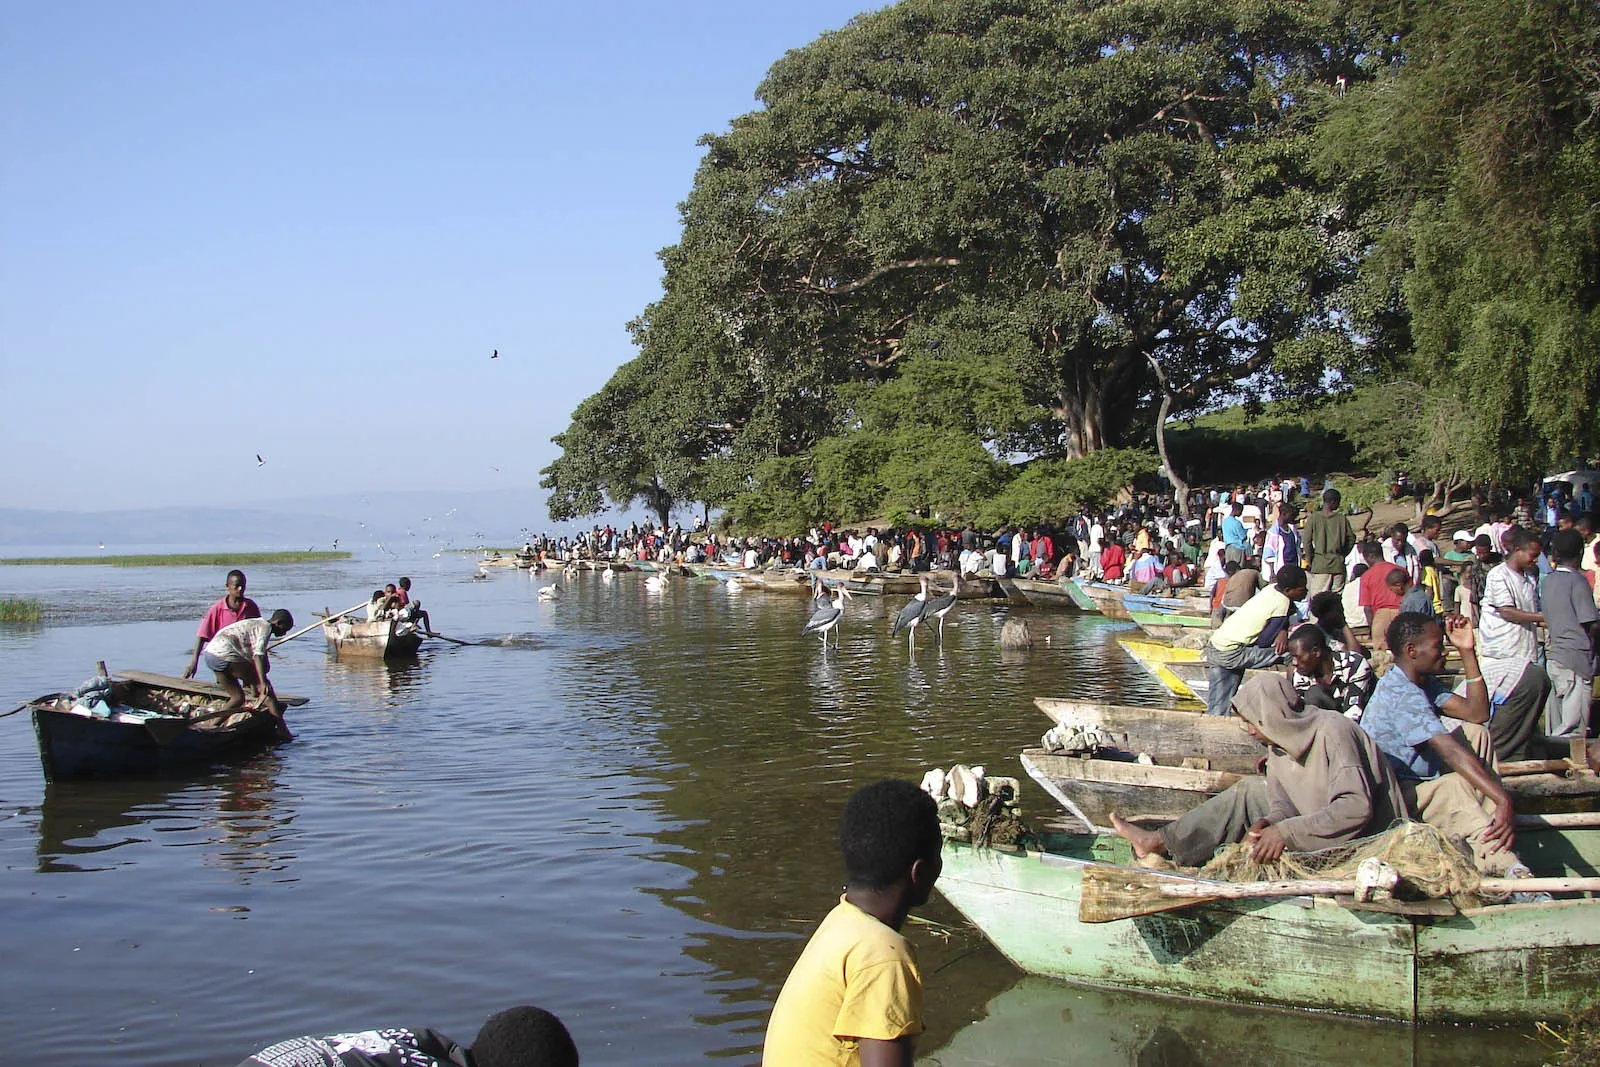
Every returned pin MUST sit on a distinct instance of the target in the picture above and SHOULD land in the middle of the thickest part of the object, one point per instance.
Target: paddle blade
(1110, 893)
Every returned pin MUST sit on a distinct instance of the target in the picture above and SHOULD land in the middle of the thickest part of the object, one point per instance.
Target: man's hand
(1502, 825)
(1267, 841)
(1280, 644)
(194, 665)
(1459, 632)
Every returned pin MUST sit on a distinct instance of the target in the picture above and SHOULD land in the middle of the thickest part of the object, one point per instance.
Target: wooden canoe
(1161, 660)
(144, 729)
(1503, 963)
(384, 639)
(1049, 596)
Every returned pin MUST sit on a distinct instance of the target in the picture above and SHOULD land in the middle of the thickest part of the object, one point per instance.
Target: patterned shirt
(1402, 718)
(1351, 686)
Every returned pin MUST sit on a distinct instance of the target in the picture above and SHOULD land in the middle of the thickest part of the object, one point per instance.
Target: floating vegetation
(19, 610)
(178, 559)
(1578, 1043)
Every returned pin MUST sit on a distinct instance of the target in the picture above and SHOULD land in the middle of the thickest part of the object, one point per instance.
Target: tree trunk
(1179, 486)
(1082, 416)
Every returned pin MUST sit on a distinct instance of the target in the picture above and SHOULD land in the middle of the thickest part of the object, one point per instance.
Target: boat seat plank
(189, 685)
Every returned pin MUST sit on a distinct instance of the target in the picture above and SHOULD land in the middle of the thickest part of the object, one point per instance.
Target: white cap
(1461, 535)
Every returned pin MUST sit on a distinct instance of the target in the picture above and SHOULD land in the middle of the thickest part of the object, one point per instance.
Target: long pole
(313, 626)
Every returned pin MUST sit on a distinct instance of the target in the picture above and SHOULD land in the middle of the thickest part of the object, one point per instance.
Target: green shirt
(1329, 539)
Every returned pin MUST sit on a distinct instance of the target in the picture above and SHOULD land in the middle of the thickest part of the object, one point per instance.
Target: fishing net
(1430, 863)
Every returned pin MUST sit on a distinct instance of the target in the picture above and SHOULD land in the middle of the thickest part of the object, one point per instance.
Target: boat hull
(349, 639)
(1503, 964)
(1050, 596)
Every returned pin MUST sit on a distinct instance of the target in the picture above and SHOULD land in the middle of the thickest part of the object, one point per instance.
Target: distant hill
(403, 521)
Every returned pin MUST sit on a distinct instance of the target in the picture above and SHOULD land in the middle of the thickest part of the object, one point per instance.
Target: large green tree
(1478, 131)
(1086, 192)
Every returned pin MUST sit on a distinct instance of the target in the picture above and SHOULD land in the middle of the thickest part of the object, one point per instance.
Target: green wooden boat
(1502, 963)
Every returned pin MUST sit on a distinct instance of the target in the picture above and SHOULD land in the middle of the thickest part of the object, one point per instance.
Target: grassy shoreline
(24, 610)
(177, 559)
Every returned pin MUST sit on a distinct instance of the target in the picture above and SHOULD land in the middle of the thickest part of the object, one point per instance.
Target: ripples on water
(619, 805)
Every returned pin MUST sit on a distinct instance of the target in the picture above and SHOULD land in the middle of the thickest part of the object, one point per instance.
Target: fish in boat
(137, 722)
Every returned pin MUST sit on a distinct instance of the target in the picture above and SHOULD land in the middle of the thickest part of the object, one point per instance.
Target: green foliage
(1048, 490)
(20, 610)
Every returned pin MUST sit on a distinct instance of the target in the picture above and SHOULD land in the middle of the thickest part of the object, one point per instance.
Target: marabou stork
(828, 616)
(911, 616)
(939, 607)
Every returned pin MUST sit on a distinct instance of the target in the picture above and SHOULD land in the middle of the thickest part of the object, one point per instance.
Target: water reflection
(1038, 1022)
(374, 681)
(236, 819)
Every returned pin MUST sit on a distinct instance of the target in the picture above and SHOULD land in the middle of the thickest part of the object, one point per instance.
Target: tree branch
(874, 275)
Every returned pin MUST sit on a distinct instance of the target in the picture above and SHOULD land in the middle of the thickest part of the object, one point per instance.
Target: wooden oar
(313, 626)
(452, 640)
(1110, 893)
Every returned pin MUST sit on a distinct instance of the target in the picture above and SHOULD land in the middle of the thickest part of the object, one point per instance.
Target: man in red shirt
(1374, 593)
(233, 606)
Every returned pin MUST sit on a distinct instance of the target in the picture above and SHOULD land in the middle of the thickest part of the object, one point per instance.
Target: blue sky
(299, 229)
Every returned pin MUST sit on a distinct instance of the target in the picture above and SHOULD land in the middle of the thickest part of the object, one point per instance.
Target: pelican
(655, 583)
(549, 592)
(939, 607)
(828, 617)
(734, 586)
(911, 616)
(608, 575)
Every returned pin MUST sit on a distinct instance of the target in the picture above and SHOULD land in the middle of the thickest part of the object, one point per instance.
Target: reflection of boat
(1416, 963)
(144, 722)
(388, 639)
(1039, 1023)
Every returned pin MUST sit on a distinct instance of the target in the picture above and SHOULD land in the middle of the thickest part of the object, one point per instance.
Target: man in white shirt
(239, 652)
(1509, 646)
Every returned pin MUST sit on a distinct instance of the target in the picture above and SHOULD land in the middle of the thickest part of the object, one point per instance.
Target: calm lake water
(621, 809)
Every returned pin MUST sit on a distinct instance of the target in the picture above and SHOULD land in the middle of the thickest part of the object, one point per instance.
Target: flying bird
(259, 461)
(496, 354)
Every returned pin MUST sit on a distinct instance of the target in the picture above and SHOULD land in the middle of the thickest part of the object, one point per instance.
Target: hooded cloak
(1327, 782)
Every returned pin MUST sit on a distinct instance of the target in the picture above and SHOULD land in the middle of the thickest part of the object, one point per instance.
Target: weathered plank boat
(141, 723)
(1051, 596)
(1179, 631)
(1421, 963)
(1193, 757)
(385, 639)
(1115, 601)
(1161, 660)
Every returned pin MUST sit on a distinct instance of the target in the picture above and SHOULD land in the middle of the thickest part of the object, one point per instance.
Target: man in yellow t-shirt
(855, 995)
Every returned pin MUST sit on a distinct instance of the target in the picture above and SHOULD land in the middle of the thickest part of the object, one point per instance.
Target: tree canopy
(958, 235)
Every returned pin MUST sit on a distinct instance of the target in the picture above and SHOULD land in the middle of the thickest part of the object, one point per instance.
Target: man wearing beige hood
(1326, 784)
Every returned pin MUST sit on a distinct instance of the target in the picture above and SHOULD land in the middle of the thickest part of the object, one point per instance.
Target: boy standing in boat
(233, 607)
(855, 994)
(238, 652)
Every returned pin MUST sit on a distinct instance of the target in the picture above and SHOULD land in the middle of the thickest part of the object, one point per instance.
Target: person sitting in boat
(1326, 784)
(233, 607)
(411, 610)
(1449, 776)
(1327, 677)
(1257, 635)
(378, 607)
(1145, 576)
(517, 1037)
(239, 653)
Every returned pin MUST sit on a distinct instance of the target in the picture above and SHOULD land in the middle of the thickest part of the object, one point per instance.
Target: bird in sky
(495, 469)
(336, 544)
(496, 354)
(259, 461)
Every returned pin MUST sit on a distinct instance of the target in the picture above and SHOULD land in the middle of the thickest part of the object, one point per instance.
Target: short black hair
(1290, 577)
(1405, 629)
(1371, 551)
(886, 827)
(524, 1037)
(1567, 544)
(1328, 609)
(282, 618)
(1309, 636)
(405, 583)
(1519, 537)
(235, 573)
(1331, 496)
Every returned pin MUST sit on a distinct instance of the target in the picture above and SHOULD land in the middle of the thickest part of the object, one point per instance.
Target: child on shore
(855, 994)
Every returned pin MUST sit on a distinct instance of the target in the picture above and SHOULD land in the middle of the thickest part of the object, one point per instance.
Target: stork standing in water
(828, 616)
(939, 607)
(911, 616)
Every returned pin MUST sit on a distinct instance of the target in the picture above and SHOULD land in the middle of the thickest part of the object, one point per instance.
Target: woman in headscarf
(1326, 784)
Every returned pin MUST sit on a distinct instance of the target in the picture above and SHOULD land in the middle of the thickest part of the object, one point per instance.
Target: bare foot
(1144, 842)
